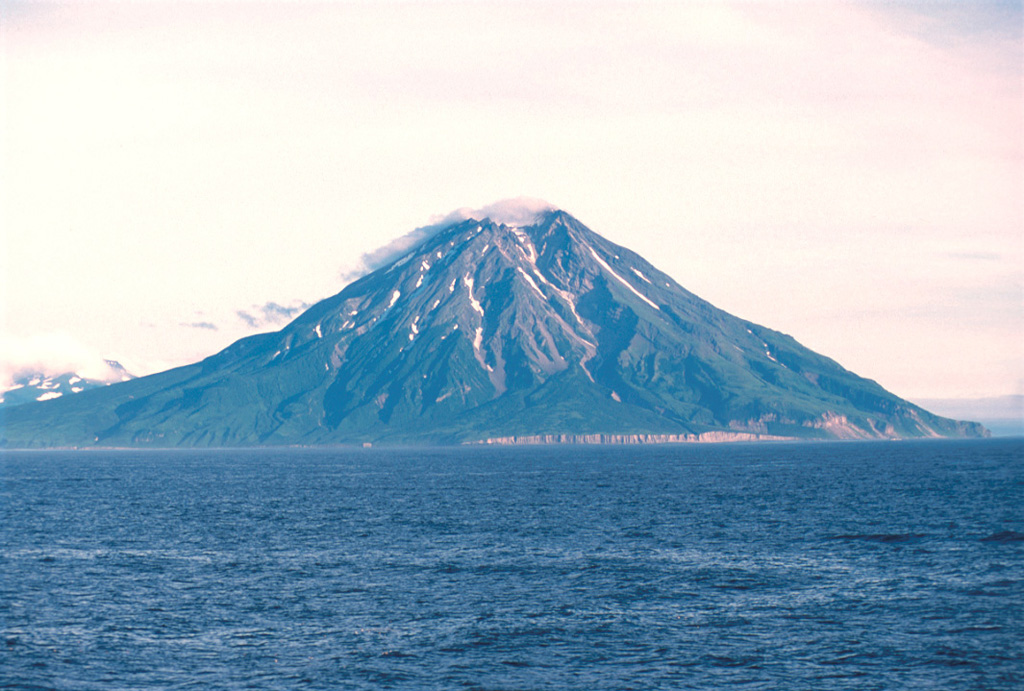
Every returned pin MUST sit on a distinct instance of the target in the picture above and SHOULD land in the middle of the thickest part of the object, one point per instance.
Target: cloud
(382, 256)
(271, 314)
(250, 320)
(945, 23)
(516, 211)
(51, 354)
(201, 325)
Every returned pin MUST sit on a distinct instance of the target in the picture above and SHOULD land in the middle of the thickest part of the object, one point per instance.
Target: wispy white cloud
(519, 211)
(271, 314)
(209, 326)
(384, 255)
(516, 211)
(51, 354)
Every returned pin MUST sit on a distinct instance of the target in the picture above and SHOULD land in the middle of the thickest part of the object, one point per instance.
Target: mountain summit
(515, 323)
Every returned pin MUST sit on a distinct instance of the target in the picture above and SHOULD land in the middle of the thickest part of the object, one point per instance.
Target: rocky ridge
(534, 329)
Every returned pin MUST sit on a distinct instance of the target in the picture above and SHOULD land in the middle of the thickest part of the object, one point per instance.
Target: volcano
(504, 328)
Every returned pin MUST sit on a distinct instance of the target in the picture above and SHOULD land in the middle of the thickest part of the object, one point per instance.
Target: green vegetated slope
(488, 331)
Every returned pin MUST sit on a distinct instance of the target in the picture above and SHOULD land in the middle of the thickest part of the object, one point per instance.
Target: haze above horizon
(177, 176)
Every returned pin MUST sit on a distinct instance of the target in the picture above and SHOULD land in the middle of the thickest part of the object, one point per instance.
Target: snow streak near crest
(621, 280)
(530, 280)
(526, 243)
(640, 275)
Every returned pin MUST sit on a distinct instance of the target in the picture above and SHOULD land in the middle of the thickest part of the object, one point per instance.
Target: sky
(176, 176)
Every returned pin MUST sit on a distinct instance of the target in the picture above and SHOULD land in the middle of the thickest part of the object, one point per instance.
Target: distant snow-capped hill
(39, 386)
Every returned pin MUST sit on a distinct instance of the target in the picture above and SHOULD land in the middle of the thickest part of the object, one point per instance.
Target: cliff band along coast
(529, 328)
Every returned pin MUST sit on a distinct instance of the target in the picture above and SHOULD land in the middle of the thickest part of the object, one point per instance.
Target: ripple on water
(790, 566)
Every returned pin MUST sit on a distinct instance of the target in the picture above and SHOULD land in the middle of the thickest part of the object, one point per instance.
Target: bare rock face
(532, 329)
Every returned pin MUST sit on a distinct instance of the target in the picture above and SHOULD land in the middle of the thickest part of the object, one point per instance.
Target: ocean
(742, 566)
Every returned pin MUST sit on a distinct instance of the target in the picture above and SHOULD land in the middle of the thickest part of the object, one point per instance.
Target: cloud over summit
(515, 211)
(51, 354)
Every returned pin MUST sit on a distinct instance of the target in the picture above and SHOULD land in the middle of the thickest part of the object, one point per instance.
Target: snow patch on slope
(527, 244)
(468, 280)
(529, 279)
(478, 339)
(640, 275)
(621, 280)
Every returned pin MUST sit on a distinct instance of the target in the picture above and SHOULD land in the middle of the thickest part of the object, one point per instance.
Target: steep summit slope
(528, 328)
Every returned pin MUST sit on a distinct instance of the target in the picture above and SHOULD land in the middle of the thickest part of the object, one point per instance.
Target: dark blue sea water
(843, 566)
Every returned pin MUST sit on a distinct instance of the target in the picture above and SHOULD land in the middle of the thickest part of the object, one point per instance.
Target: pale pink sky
(848, 173)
